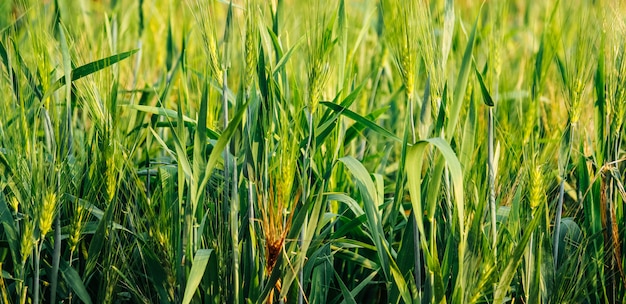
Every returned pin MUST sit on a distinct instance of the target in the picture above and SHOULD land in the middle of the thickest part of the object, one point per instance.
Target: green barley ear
(496, 43)
(615, 70)
(15, 204)
(401, 25)
(288, 161)
(577, 66)
(204, 13)
(76, 227)
(537, 192)
(320, 43)
(46, 213)
(251, 42)
(27, 242)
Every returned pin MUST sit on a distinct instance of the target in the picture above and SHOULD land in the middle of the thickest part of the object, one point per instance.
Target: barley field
(312, 151)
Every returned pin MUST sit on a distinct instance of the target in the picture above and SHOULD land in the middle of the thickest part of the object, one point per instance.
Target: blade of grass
(461, 83)
(368, 193)
(415, 157)
(90, 68)
(510, 270)
(75, 283)
(200, 261)
(360, 119)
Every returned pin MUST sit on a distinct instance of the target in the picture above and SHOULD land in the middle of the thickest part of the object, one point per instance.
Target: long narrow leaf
(360, 119)
(197, 272)
(74, 281)
(368, 193)
(461, 83)
(92, 67)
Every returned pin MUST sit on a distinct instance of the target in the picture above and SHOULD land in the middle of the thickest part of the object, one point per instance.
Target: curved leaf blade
(197, 272)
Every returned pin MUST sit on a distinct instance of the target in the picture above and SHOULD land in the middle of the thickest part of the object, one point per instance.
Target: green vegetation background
(312, 151)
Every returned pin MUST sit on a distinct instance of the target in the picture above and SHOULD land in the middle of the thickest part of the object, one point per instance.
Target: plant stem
(307, 172)
(492, 187)
(416, 233)
(36, 275)
(557, 223)
(56, 257)
(559, 208)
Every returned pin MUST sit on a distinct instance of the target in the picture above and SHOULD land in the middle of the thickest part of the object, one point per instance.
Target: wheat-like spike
(46, 215)
(205, 16)
(250, 45)
(536, 187)
(76, 227)
(27, 242)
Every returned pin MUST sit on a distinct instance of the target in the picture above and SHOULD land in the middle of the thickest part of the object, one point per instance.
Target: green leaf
(350, 202)
(321, 276)
(345, 292)
(360, 287)
(483, 89)
(157, 274)
(99, 239)
(10, 70)
(414, 162)
(469, 137)
(360, 119)
(509, 272)
(461, 82)
(4, 56)
(72, 279)
(67, 70)
(368, 193)
(352, 256)
(159, 111)
(284, 58)
(199, 141)
(562, 69)
(34, 85)
(218, 148)
(356, 129)
(10, 231)
(328, 122)
(398, 279)
(415, 156)
(309, 221)
(92, 67)
(197, 272)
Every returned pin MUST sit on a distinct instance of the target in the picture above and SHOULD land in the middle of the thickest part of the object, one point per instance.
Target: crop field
(312, 151)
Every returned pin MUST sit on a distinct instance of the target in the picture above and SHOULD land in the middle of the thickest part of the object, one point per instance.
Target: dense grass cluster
(318, 151)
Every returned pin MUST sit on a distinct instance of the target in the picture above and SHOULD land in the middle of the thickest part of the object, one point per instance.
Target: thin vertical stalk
(251, 200)
(230, 194)
(559, 208)
(417, 260)
(36, 275)
(557, 223)
(56, 257)
(3, 289)
(416, 233)
(307, 179)
(411, 115)
(492, 187)
(529, 265)
(433, 246)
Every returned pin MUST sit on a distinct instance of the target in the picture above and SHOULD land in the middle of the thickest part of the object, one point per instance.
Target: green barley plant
(353, 151)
